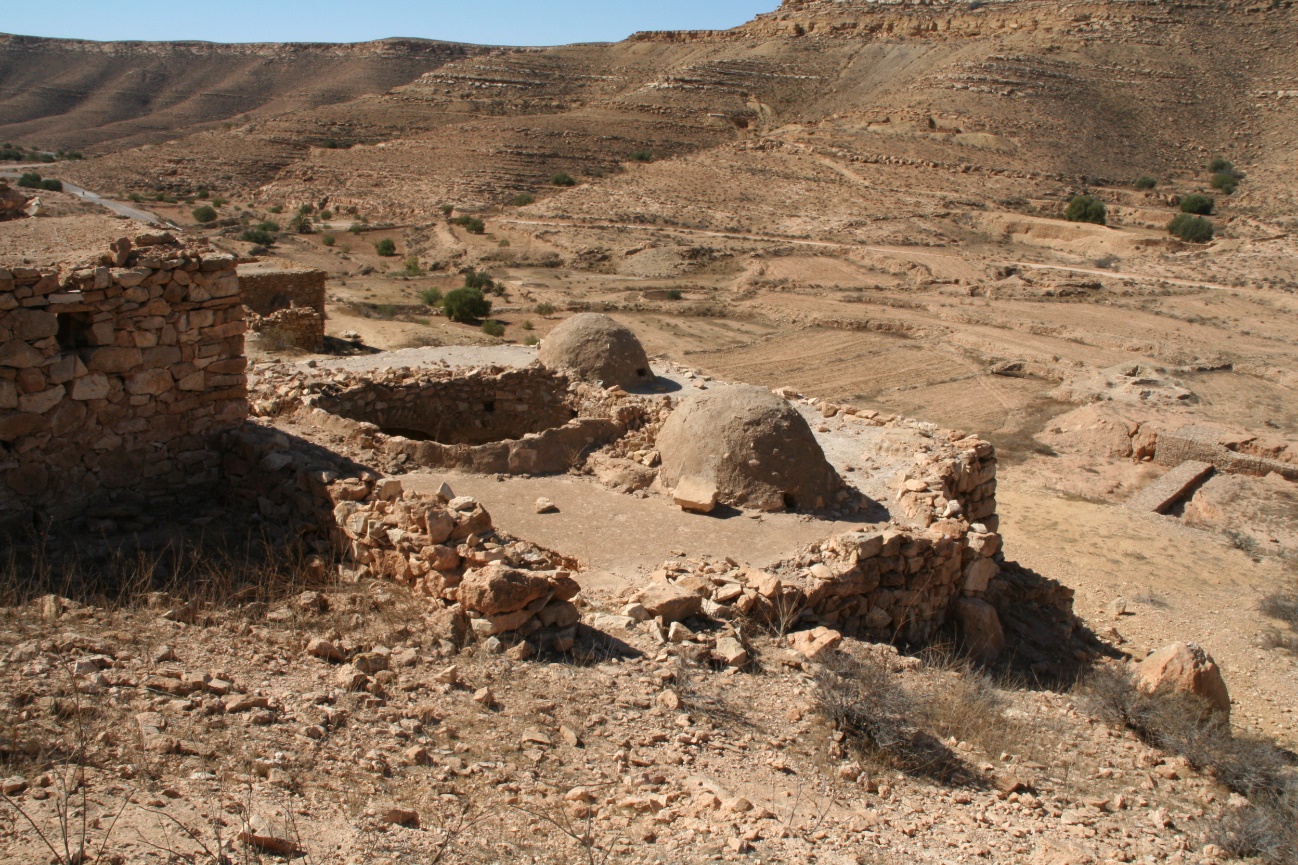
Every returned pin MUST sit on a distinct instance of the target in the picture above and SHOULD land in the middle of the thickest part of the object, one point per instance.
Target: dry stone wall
(116, 374)
(286, 306)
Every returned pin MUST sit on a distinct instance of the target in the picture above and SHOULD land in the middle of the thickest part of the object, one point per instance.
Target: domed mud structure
(755, 447)
(596, 348)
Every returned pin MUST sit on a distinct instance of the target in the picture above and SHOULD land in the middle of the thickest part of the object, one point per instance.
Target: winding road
(118, 207)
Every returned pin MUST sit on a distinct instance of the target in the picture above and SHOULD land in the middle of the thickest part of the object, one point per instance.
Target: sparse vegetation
(447, 209)
(527, 324)
(431, 297)
(1220, 164)
(301, 224)
(466, 305)
(545, 310)
(563, 178)
(480, 281)
(257, 236)
(328, 240)
(1191, 229)
(471, 224)
(204, 214)
(386, 247)
(522, 200)
(268, 225)
(30, 180)
(1146, 182)
(642, 156)
(1196, 203)
(275, 208)
(675, 294)
(1086, 208)
(492, 327)
(531, 339)
(1227, 183)
(411, 266)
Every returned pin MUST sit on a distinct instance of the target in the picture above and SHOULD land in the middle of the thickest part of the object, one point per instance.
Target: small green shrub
(448, 209)
(675, 294)
(471, 224)
(522, 200)
(480, 280)
(545, 310)
(30, 180)
(49, 184)
(466, 305)
(355, 228)
(268, 225)
(530, 340)
(326, 214)
(563, 178)
(527, 324)
(204, 214)
(642, 156)
(301, 224)
(1191, 229)
(218, 201)
(1146, 182)
(328, 240)
(412, 267)
(256, 235)
(1227, 183)
(1196, 203)
(202, 194)
(431, 297)
(386, 247)
(276, 208)
(491, 327)
(135, 198)
(1220, 164)
(306, 210)
(1084, 208)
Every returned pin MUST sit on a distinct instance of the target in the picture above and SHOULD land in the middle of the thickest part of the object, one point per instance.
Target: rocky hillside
(77, 94)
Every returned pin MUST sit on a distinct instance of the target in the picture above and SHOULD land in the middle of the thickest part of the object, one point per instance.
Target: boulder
(594, 347)
(671, 602)
(1188, 668)
(980, 628)
(815, 644)
(497, 589)
(696, 494)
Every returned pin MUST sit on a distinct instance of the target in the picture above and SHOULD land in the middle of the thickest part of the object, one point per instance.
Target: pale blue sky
(497, 22)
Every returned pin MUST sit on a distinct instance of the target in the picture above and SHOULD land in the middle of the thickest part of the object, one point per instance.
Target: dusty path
(118, 207)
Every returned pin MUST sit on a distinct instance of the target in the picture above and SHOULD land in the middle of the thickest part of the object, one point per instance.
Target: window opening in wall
(74, 330)
(489, 406)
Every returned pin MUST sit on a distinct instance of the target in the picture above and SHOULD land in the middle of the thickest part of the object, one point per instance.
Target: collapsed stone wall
(116, 375)
(286, 306)
(489, 420)
(1237, 454)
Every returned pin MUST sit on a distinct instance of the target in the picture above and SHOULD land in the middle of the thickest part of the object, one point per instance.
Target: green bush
(326, 215)
(306, 210)
(206, 213)
(491, 327)
(1227, 183)
(522, 199)
(675, 294)
(642, 156)
(480, 280)
(328, 240)
(256, 235)
(386, 247)
(1220, 165)
(277, 208)
(527, 324)
(448, 209)
(1196, 203)
(1145, 182)
(355, 228)
(1084, 208)
(466, 305)
(269, 225)
(218, 201)
(30, 180)
(1191, 229)
(563, 178)
(301, 224)
(412, 267)
(135, 197)
(545, 310)
(471, 224)
(530, 340)
(431, 297)
(49, 184)
(202, 194)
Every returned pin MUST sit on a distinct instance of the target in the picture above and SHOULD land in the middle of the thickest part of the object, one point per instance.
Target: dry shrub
(1183, 724)
(1281, 604)
(968, 703)
(867, 702)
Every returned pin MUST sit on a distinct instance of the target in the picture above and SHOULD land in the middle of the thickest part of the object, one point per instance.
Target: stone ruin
(117, 377)
(13, 204)
(285, 306)
(122, 383)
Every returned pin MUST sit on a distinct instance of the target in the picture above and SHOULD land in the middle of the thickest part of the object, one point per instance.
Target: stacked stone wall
(286, 307)
(116, 375)
(1204, 444)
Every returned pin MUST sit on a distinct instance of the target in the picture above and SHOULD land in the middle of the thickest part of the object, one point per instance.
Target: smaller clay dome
(596, 348)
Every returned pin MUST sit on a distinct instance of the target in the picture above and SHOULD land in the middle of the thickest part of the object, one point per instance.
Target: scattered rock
(1188, 668)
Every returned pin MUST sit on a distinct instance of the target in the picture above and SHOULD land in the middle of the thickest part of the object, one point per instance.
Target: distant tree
(205, 214)
(1196, 203)
(1191, 229)
(479, 280)
(30, 180)
(49, 184)
(1084, 208)
(563, 178)
(466, 305)
(1146, 182)
(386, 247)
